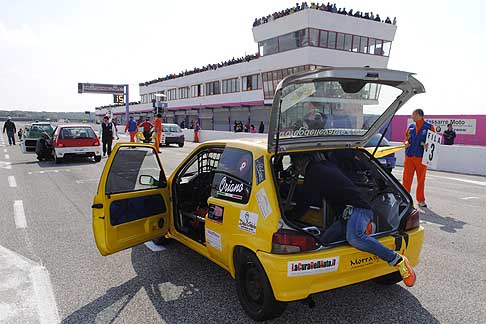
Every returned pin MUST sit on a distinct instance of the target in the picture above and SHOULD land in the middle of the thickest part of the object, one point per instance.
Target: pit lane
(177, 285)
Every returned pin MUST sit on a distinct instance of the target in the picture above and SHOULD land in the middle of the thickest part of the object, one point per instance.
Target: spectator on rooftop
(394, 20)
(377, 18)
(387, 20)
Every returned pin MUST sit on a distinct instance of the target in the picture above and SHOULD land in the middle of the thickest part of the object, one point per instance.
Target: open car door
(132, 202)
(336, 107)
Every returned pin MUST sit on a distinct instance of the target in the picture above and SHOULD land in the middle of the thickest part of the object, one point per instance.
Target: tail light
(96, 142)
(413, 220)
(55, 142)
(286, 241)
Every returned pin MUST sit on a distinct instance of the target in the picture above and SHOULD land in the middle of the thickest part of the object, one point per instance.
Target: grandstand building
(304, 40)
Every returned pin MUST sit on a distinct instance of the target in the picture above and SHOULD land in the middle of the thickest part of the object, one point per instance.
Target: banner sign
(459, 125)
(101, 88)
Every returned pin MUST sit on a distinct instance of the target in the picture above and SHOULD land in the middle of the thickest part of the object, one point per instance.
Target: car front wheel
(254, 290)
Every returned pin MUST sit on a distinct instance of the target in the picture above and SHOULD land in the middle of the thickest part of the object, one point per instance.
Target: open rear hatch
(332, 113)
(336, 107)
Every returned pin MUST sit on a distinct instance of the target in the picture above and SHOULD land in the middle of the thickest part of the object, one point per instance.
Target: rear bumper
(292, 277)
(77, 151)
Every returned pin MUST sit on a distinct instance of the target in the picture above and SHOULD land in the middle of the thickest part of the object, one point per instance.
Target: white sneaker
(422, 204)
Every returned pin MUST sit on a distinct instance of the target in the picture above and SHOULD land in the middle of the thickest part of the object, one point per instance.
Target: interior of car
(387, 201)
(192, 188)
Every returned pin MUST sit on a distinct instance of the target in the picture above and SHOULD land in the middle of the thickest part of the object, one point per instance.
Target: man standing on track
(415, 138)
(9, 126)
(132, 128)
(158, 131)
(107, 134)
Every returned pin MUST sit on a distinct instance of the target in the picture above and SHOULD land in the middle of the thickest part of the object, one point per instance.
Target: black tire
(97, 158)
(389, 279)
(254, 290)
(181, 144)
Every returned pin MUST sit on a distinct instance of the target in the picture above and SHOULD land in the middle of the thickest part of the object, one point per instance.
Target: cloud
(22, 36)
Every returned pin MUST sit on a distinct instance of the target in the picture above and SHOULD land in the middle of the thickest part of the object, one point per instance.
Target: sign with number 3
(431, 149)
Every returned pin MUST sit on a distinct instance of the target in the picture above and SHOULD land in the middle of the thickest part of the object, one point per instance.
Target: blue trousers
(355, 231)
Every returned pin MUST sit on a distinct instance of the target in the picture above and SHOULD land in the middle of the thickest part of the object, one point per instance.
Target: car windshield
(324, 108)
(374, 141)
(77, 133)
(171, 129)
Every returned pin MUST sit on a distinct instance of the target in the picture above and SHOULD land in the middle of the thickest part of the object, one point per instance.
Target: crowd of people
(323, 7)
(119, 105)
(246, 58)
(247, 128)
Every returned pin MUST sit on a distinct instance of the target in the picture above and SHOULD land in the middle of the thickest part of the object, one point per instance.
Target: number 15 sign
(431, 149)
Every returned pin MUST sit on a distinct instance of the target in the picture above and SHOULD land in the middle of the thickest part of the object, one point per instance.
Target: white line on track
(4, 150)
(469, 198)
(31, 288)
(86, 180)
(19, 214)
(49, 171)
(5, 165)
(154, 247)
(46, 302)
(479, 183)
(7, 156)
(11, 182)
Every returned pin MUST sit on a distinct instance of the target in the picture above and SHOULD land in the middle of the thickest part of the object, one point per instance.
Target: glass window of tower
(348, 41)
(323, 38)
(340, 41)
(331, 43)
(363, 44)
(314, 37)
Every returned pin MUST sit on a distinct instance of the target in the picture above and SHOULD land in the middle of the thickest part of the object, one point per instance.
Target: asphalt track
(45, 221)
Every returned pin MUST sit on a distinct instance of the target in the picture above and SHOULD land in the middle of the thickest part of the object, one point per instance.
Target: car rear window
(76, 133)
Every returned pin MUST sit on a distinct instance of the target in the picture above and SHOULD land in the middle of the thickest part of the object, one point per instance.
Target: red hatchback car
(75, 140)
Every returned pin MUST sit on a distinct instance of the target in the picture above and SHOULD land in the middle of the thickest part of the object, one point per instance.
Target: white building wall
(324, 20)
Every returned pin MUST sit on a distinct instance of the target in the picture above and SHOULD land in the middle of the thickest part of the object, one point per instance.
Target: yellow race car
(235, 201)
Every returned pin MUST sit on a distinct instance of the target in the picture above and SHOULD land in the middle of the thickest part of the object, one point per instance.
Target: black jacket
(449, 137)
(9, 126)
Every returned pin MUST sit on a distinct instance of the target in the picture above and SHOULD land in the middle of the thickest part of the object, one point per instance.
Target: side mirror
(148, 180)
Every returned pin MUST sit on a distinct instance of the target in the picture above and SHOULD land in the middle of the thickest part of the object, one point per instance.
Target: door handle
(97, 206)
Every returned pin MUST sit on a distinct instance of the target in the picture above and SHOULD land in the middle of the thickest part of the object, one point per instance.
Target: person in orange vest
(197, 128)
(158, 131)
(132, 129)
(415, 138)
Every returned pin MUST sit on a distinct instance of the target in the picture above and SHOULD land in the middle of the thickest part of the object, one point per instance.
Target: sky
(47, 47)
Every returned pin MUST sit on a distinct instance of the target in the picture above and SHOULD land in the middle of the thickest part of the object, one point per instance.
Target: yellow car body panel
(351, 266)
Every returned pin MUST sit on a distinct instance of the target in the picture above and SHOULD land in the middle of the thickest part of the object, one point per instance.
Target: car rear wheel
(254, 290)
(181, 144)
(97, 158)
(389, 279)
